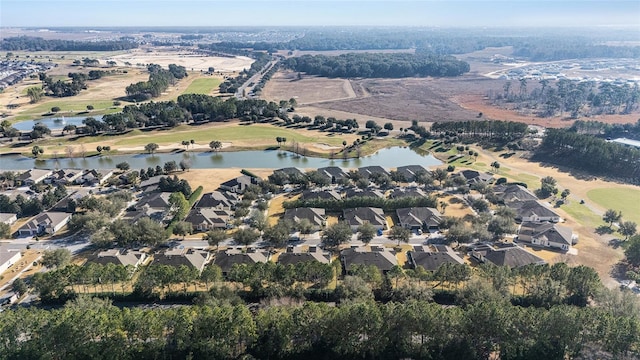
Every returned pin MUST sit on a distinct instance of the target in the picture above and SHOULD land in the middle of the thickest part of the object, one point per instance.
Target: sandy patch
(165, 148)
(190, 60)
(210, 179)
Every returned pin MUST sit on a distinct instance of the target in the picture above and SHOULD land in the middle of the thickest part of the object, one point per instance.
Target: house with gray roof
(324, 194)
(402, 192)
(548, 235)
(239, 185)
(225, 260)
(510, 193)
(432, 257)
(355, 192)
(192, 258)
(473, 177)
(204, 219)
(45, 223)
(316, 216)
(290, 172)
(295, 255)
(33, 176)
(332, 173)
(367, 171)
(358, 216)
(218, 200)
(533, 211)
(509, 255)
(411, 172)
(120, 257)
(423, 218)
(383, 259)
(8, 258)
(64, 176)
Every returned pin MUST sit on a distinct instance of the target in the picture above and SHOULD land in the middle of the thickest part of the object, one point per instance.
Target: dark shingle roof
(383, 260)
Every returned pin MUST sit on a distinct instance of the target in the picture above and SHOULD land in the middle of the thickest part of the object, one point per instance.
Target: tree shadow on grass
(604, 229)
(616, 243)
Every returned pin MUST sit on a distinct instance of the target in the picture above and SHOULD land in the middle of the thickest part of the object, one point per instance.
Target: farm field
(308, 90)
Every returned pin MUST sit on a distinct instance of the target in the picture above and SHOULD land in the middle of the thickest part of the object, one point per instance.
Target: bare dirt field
(423, 99)
(210, 179)
(308, 90)
(191, 61)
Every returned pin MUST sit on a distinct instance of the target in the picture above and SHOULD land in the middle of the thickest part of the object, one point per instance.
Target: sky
(443, 13)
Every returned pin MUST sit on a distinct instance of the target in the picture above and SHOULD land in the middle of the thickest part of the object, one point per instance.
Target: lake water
(54, 123)
(267, 159)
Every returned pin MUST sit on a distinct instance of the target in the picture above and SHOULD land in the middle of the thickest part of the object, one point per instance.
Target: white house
(8, 218)
(547, 235)
(8, 258)
(47, 222)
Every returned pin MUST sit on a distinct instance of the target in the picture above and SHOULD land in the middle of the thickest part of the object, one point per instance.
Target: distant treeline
(30, 43)
(593, 155)
(630, 131)
(482, 129)
(378, 65)
(159, 81)
(539, 45)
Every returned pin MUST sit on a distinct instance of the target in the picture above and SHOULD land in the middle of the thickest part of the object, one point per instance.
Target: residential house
(315, 216)
(549, 235)
(192, 258)
(407, 192)
(332, 173)
(432, 257)
(155, 205)
(384, 260)
(8, 258)
(290, 171)
(33, 176)
(151, 184)
(64, 177)
(120, 257)
(95, 177)
(325, 194)
(415, 218)
(533, 211)
(355, 192)
(239, 184)
(509, 255)
(473, 177)
(411, 172)
(218, 199)
(45, 223)
(358, 216)
(8, 218)
(225, 260)
(204, 219)
(367, 171)
(295, 255)
(512, 193)
(66, 203)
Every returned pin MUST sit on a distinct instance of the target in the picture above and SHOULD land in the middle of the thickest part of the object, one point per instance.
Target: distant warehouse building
(627, 142)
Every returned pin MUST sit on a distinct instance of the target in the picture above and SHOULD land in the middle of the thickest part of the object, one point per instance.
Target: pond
(55, 123)
(267, 159)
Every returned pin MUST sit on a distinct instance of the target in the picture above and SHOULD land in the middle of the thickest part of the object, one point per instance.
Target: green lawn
(582, 214)
(228, 133)
(625, 200)
(203, 86)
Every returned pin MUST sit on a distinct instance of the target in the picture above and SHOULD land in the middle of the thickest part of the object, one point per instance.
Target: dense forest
(159, 81)
(481, 130)
(534, 312)
(567, 97)
(378, 65)
(29, 43)
(591, 154)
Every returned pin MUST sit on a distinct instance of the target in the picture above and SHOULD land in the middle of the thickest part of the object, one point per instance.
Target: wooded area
(30, 43)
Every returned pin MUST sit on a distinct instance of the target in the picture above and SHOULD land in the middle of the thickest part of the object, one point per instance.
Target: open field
(308, 90)
(233, 135)
(625, 200)
(203, 86)
(210, 179)
(188, 59)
